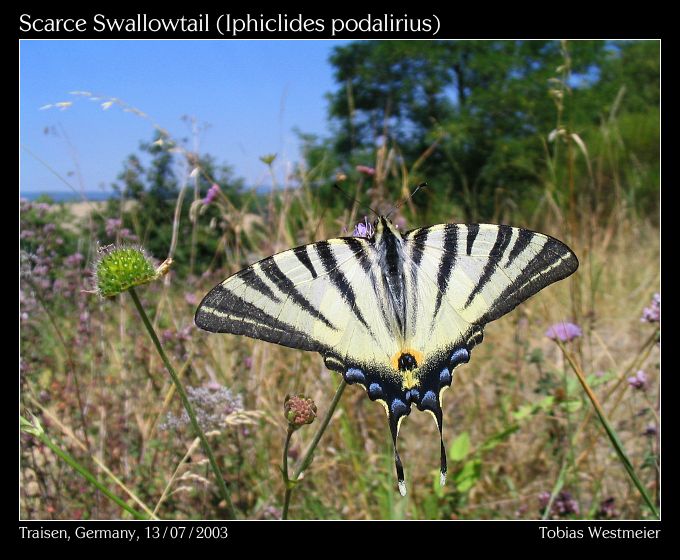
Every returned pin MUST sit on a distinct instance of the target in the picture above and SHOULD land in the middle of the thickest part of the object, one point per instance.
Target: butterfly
(394, 313)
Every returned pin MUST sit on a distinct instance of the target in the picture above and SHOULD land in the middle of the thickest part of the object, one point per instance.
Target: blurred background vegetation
(559, 137)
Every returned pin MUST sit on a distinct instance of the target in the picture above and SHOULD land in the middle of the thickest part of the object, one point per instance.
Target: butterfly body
(393, 313)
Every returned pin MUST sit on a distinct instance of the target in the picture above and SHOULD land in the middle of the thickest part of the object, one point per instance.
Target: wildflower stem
(307, 459)
(286, 480)
(221, 485)
(559, 483)
(616, 442)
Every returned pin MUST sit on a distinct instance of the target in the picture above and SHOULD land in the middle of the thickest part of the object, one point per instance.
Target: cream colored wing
(460, 277)
(322, 297)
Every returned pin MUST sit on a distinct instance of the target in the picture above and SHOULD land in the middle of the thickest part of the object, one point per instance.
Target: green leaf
(546, 403)
(523, 412)
(572, 405)
(468, 476)
(495, 439)
(460, 447)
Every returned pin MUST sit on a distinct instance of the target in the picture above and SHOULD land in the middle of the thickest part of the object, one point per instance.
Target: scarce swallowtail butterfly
(395, 313)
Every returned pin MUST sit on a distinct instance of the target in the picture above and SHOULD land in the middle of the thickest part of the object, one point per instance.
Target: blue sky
(251, 93)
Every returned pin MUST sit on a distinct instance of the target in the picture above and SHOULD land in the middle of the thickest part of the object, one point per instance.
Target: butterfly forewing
(316, 297)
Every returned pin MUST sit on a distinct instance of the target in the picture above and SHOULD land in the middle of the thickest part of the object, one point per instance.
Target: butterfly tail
(431, 403)
(442, 450)
(394, 429)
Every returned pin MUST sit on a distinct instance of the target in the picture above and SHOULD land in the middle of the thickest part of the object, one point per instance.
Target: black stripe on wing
(272, 271)
(252, 280)
(522, 242)
(360, 250)
(222, 311)
(339, 280)
(553, 262)
(472, 231)
(446, 264)
(495, 255)
(303, 257)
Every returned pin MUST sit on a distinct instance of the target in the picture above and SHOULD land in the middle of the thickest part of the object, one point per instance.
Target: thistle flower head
(299, 410)
(563, 331)
(120, 268)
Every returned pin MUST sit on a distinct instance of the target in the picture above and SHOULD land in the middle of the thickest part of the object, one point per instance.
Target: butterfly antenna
(355, 200)
(405, 200)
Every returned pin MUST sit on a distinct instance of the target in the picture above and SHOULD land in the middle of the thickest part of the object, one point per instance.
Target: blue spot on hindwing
(459, 356)
(413, 395)
(399, 408)
(354, 375)
(429, 401)
(375, 391)
(445, 377)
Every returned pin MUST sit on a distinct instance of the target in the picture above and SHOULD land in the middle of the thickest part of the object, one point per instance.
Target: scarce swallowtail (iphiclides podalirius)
(395, 313)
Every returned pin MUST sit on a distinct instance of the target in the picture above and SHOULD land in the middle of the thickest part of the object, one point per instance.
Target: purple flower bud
(248, 362)
(364, 229)
(563, 331)
(112, 226)
(366, 170)
(74, 260)
(213, 191)
(650, 431)
(607, 509)
(652, 314)
(639, 380)
(563, 504)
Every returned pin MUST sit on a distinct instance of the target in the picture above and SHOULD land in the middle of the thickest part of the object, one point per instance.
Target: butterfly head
(384, 228)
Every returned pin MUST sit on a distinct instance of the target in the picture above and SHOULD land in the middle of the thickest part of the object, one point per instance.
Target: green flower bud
(121, 268)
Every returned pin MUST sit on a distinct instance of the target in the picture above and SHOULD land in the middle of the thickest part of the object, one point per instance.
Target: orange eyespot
(407, 359)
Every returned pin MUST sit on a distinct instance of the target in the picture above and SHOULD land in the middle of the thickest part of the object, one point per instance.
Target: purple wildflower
(112, 226)
(213, 191)
(248, 362)
(366, 170)
(191, 299)
(607, 509)
(652, 314)
(650, 431)
(364, 229)
(74, 260)
(563, 331)
(563, 504)
(639, 380)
